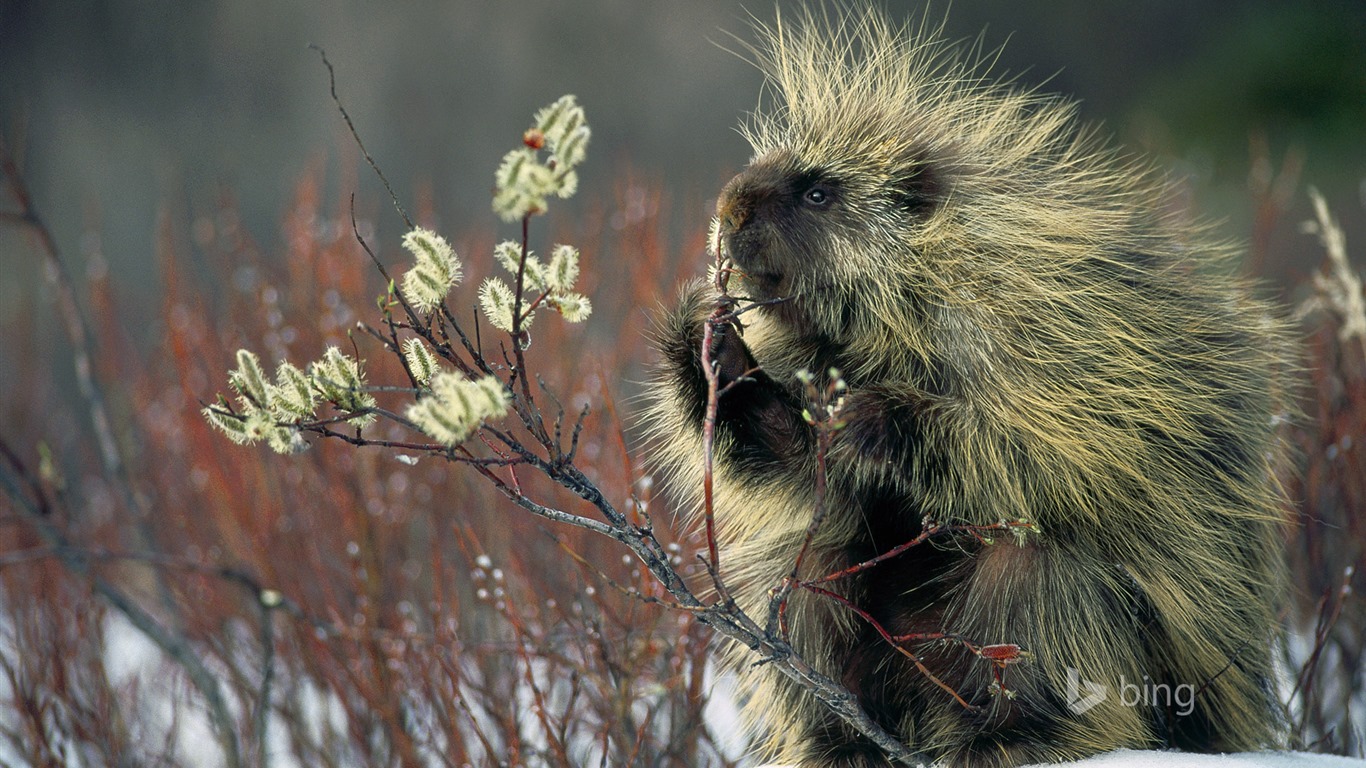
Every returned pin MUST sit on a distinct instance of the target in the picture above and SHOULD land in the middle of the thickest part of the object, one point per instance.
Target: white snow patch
(1131, 758)
(722, 714)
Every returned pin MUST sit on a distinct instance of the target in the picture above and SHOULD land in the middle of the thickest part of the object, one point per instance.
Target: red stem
(708, 445)
(891, 641)
(932, 530)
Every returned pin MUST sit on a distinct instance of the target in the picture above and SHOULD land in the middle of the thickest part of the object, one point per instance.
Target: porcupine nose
(732, 207)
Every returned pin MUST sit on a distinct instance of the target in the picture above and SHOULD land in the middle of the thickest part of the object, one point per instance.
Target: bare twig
(929, 530)
(825, 423)
(73, 320)
(709, 449)
(892, 641)
(83, 354)
(332, 85)
(532, 417)
(171, 642)
(269, 602)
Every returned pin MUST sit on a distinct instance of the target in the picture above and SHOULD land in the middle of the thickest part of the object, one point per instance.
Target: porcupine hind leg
(1078, 617)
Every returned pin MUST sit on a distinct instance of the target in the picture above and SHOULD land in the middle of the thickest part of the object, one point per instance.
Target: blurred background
(123, 108)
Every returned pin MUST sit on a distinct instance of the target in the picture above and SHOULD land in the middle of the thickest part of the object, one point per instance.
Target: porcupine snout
(749, 211)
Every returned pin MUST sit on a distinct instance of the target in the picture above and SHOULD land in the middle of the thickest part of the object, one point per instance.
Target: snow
(1131, 758)
(133, 663)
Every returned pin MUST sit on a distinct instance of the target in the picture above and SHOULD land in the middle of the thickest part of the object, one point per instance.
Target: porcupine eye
(817, 196)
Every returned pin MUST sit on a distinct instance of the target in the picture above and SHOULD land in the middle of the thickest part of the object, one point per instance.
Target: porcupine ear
(920, 187)
(918, 180)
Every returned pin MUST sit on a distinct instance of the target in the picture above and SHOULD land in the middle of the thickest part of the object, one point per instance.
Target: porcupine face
(774, 217)
(811, 233)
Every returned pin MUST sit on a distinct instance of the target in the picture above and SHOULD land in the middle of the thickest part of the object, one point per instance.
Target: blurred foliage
(1296, 73)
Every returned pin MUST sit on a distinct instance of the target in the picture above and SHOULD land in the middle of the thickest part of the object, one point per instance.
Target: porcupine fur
(1028, 331)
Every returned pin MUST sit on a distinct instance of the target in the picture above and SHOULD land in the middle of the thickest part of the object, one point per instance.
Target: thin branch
(332, 85)
(532, 418)
(929, 529)
(82, 341)
(708, 451)
(41, 504)
(887, 636)
(825, 428)
(375, 442)
(549, 513)
(473, 349)
(262, 714)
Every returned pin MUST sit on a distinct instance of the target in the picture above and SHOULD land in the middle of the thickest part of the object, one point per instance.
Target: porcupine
(1027, 332)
